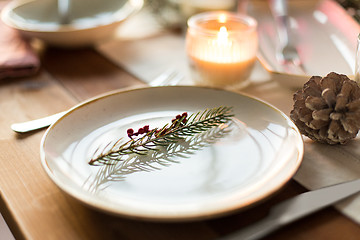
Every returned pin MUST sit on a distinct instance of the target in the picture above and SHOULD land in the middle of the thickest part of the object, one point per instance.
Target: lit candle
(221, 47)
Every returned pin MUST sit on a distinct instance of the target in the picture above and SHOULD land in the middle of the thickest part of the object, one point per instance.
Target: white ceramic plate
(259, 155)
(92, 21)
(324, 44)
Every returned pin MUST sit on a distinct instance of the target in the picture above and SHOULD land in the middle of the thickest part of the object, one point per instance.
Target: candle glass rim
(193, 22)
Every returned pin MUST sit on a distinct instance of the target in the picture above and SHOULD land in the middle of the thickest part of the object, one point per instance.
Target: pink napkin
(17, 58)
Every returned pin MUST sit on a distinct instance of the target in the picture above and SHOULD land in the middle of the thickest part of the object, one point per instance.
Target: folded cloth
(17, 58)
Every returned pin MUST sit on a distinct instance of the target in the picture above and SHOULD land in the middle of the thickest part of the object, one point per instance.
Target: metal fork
(287, 54)
(169, 77)
(64, 11)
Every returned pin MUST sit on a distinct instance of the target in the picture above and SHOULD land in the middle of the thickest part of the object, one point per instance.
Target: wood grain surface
(35, 208)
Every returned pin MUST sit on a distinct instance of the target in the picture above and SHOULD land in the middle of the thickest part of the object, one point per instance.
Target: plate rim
(5, 16)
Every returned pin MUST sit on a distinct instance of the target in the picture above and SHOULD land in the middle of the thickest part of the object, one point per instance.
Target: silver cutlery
(64, 11)
(295, 208)
(287, 53)
(36, 124)
(168, 78)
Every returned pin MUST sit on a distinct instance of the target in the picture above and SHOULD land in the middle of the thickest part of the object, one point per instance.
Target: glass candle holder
(221, 48)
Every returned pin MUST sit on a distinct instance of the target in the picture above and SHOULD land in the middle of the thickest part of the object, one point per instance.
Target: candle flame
(222, 36)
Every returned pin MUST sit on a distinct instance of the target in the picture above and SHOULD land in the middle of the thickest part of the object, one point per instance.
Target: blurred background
(352, 7)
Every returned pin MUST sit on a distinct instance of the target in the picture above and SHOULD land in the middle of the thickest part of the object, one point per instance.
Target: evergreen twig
(116, 171)
(165, 136)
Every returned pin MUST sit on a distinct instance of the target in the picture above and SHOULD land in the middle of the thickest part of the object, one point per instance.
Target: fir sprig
(116, 171)
(179, 129)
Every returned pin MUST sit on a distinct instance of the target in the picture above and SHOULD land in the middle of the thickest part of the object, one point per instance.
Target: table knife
(36, 124)
(294, 209)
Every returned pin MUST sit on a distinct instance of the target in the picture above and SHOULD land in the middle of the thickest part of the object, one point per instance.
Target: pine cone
(328, 109)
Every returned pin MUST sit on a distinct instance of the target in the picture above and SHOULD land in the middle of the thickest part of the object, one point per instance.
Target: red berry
(130, 131)
(178, 116)
(141, 131)
(146, 128)
(184, 114)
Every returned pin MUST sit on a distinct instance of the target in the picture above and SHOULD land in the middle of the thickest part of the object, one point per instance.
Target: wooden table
(35, 208)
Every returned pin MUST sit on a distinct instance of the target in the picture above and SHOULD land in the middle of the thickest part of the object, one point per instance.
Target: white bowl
(91, 20)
